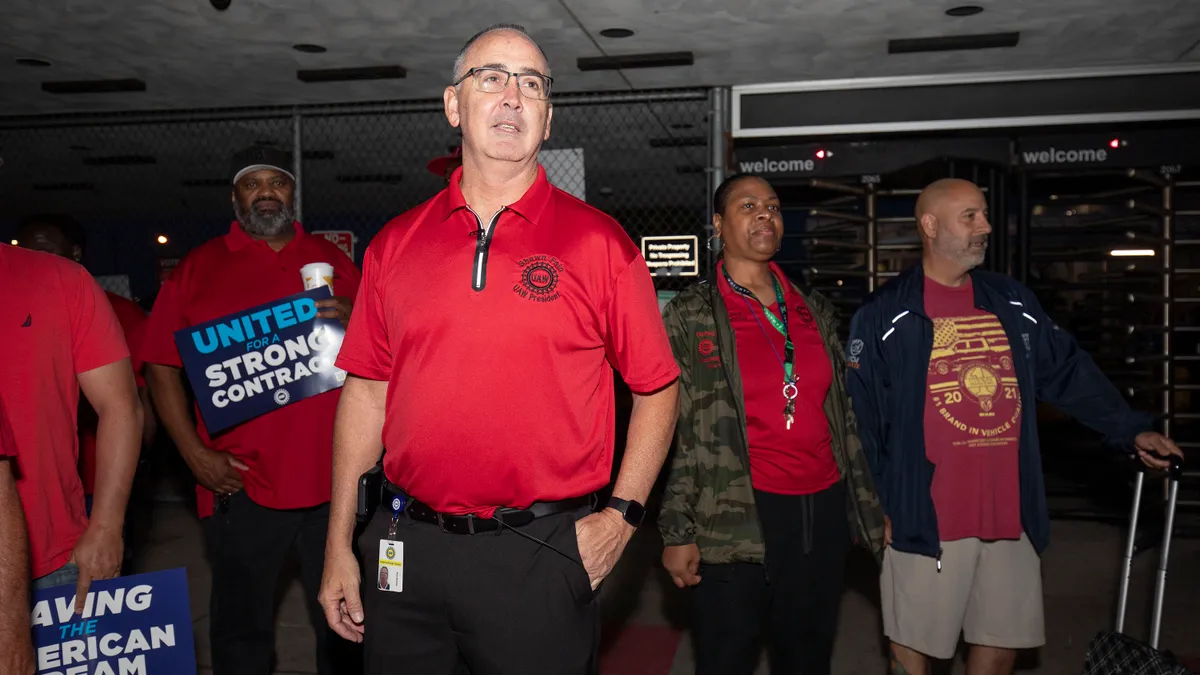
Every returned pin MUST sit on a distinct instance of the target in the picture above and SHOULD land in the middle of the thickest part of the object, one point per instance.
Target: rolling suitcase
(1113, 652)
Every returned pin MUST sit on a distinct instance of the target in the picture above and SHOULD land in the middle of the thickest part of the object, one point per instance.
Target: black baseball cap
(261, 157)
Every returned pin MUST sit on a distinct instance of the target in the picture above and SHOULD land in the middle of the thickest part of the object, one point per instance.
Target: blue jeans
(66, 575)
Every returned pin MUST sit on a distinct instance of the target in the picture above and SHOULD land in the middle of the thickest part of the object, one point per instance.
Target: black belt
(472, 524)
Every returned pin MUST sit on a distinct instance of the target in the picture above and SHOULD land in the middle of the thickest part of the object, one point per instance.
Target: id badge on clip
(390, 576)
(391, 566)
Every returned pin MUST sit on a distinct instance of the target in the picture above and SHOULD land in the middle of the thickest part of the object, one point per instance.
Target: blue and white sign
(260, 359)
(137, 625)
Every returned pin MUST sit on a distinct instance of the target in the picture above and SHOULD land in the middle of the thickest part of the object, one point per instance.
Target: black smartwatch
(631, 511)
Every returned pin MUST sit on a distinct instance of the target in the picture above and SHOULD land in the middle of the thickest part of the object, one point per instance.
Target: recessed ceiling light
(35, 62)
(628, 61)
(953, 43)
(964, 10)
(94, 86)
(616, 32)
(309, 48)
(352, 74)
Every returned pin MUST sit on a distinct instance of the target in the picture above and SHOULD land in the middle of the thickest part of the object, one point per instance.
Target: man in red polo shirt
(263, 485)
(63, 236)
(482, 352)
(57, 319)
(16, 650)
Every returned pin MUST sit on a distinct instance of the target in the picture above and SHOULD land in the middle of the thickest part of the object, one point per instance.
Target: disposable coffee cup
(316, 275)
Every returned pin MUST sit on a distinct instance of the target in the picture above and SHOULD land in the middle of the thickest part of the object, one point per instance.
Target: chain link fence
(642, 157)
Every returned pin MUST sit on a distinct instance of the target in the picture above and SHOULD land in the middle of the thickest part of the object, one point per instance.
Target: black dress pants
(248, 546)
(493, 603)
(795, 596)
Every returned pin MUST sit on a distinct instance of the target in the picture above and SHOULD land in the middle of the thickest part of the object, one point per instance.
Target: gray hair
(460, 60)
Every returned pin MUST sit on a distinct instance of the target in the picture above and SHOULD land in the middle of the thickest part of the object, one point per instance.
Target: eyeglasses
(494, 81)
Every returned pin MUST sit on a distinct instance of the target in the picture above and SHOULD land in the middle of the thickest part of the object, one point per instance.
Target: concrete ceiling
(193, 56)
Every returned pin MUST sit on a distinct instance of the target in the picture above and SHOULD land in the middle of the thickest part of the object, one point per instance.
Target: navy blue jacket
(891, 339)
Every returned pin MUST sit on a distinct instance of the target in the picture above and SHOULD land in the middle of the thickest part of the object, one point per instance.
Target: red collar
(238, 239)
(530, 206)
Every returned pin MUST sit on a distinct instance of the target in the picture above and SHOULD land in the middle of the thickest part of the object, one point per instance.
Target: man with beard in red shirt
(263, 485)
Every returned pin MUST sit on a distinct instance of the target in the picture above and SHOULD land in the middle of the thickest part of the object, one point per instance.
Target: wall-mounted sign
(165, 267)
(674, 256)
(343, 239)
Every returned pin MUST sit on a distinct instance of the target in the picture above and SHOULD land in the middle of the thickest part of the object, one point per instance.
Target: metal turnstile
(1185, 342)
(1101, 250)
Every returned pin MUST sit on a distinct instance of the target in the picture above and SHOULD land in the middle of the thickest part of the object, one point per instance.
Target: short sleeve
(96, 336)
(158, 339)
(636, 337)
(365, 351)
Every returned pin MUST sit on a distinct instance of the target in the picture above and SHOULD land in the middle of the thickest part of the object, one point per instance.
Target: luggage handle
(1174, 473)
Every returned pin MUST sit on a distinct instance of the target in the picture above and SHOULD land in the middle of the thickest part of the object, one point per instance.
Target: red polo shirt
(57, 324)
(784, 461)
(500, 366)
(289, 450)
(133, 324)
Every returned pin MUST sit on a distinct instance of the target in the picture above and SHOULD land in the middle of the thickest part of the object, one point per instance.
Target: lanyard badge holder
(398, 504)
(391, 552)
(780, 323)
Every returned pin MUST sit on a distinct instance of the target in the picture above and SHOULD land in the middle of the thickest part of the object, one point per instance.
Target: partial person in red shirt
(16, 647)
(756, 516)
(57, 318)
(481, 354)
(263, 485)
(61, 235)
(443, 167)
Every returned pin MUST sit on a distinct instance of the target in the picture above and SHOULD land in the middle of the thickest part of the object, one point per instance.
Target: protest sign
(136, 625)
(260, 359)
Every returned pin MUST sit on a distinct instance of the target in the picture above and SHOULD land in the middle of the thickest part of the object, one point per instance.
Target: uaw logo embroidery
(805, 315)
(856, 347)
(539, 278)
(707, 347)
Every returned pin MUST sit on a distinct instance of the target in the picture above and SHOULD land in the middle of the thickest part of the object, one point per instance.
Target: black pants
(494, 603)
(796, 594)
(248, 546)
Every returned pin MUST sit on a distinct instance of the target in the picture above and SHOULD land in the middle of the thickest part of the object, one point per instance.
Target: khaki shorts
(991, 592)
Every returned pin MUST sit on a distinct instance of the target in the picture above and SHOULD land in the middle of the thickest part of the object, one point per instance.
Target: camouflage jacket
(709, 500)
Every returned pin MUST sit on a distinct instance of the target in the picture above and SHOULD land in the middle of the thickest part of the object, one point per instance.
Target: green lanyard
(779, 322)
